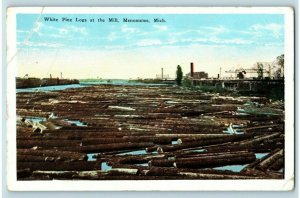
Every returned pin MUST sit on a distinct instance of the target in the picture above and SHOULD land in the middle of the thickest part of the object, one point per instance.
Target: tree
(280, 61)
(179, 75)
(260, 71)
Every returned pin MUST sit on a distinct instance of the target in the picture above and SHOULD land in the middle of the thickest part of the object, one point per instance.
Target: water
(144, 164)
(119, 82)
(234, 129)
(199, 150)
(84, 84)
(76, 122)
(35, 119)
(233, 168)
(260, 155)
(174, 142)
(105, 166)
(50, 88)
(138, 152)
(90, 157)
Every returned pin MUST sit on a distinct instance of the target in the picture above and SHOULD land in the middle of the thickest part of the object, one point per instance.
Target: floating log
(215, 161)
(46, 143)
(131, 139)
(59, 166)
(105, 147)
(249, 129)
(217, 176)
(270, 160)
(162, 162)
(153, 118)
(151, 149)
(158, 171)
(22, 173)
(64, 155)
(202, 142)
(199, 136)
(230, 138)
(259, 139)
(277, 165)
(55, 174)
(30, 158)
(135, 159)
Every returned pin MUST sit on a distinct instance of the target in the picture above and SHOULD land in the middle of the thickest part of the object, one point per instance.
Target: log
(277, 165)
(132, 139)
(32, 158)
(214, 161)
(64, 155)
(59, 166)
(230, 138)
(249, 129)
(158, 171)
(46, 143)
(151, 149)
(201, 142)
(135, 159)
(22, 173)
(270, 160)
(259, 139)
(161, 162)
(217, 176)
(108, 147)
(204, 136)
(54, 174)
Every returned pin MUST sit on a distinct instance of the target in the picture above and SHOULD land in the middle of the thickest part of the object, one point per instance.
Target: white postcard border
(157, 185)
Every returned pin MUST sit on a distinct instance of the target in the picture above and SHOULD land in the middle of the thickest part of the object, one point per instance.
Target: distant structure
(162, 76)
(196, 75)
(259, 71)
(200, 75)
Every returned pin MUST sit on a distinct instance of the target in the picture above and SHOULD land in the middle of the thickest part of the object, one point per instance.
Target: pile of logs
(146, 132)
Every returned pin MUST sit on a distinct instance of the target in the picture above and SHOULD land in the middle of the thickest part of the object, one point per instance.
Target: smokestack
(192, 69)
(162, 73)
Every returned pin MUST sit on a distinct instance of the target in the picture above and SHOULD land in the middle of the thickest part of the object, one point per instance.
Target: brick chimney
(192, 70)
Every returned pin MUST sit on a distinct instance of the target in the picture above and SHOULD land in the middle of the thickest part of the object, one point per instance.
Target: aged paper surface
(150, 98)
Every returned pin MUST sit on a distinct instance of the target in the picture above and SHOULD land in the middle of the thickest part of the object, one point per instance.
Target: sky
(124, 50)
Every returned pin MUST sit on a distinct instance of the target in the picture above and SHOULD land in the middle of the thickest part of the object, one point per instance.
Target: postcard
(150, 98)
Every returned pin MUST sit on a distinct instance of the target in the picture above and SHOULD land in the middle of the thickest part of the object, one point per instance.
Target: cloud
(274, 28)
(49, 31)
(81, 30)
(148, 42)
(41, 44)
(112, 36)
(213, 30)
(38, 26)
(161, 27)
(126, 29)
(216, 40)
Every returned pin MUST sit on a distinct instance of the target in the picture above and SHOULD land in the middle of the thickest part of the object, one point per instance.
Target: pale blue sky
(131, 50)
